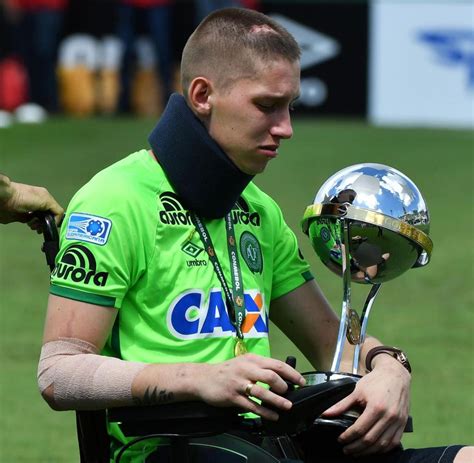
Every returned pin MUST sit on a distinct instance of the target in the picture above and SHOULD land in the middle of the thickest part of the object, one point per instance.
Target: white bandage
(82, 379)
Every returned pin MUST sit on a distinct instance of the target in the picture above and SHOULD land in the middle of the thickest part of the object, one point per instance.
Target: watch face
(395, 352)
(403, 359)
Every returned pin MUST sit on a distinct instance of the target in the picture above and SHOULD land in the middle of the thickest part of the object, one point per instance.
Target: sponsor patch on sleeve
(89, 228)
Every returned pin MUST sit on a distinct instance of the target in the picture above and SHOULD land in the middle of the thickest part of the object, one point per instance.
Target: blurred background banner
(422, 63)
(333, 39)
(392, 62)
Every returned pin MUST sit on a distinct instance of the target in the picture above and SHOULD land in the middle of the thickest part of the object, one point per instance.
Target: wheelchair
(195, 432)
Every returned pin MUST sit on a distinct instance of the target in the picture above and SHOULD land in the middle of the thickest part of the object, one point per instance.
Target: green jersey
(127, 242)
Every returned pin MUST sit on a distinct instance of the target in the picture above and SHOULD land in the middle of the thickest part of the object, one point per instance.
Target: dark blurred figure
(37, 30)
(204, 7)
(94, 17)
(5, 30)
(155, 18)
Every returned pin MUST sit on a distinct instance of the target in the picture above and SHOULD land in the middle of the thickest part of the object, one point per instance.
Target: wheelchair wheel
(223, 448)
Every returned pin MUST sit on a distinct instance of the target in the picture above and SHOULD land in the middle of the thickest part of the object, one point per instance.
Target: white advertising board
(421, 63)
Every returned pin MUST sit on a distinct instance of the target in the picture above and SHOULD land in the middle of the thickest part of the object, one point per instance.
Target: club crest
(251, 252)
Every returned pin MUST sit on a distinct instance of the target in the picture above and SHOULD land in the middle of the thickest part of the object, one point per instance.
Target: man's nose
(282, 127)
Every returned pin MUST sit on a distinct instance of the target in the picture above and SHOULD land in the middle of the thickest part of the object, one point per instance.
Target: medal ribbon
(235, 300)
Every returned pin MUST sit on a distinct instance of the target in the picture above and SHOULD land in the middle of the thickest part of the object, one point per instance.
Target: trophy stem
(364, 321)
(346, 300)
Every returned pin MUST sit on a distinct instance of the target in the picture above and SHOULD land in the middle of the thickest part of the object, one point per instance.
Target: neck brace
(202, 174)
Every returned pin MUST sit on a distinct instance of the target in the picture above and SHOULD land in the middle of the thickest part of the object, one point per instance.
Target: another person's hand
(383, 398)
(19, 201)
(233, 383)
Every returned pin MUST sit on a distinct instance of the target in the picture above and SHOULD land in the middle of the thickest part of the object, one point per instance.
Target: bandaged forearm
(82, 379)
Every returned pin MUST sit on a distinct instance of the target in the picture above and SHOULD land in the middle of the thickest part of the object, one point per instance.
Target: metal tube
(346, 300)
(364, 322)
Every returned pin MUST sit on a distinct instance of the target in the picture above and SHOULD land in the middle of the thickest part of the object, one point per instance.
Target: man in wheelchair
(172, 262)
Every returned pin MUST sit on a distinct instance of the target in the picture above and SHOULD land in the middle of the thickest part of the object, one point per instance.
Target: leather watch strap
(393, 351)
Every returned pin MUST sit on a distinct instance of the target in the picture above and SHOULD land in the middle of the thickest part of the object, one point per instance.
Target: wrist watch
(396, 353)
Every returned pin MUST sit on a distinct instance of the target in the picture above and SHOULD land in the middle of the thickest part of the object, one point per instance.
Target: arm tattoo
(152, 397)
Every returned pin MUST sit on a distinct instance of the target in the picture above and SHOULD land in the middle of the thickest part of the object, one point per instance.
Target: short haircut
(230, 43)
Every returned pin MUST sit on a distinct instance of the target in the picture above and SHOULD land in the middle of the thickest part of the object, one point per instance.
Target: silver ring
(248, 389)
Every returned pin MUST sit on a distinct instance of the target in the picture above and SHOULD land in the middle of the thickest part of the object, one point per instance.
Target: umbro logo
(194, 251)
(191, 249)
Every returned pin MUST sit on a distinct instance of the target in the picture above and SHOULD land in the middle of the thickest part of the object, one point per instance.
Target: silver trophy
(368, 224)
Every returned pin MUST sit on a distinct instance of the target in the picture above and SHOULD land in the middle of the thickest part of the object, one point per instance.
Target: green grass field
(428, 312)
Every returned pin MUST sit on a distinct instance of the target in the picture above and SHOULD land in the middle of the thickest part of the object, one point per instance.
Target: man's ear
(199, 92)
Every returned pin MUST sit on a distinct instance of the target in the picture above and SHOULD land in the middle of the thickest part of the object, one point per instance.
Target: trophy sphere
(387, 217)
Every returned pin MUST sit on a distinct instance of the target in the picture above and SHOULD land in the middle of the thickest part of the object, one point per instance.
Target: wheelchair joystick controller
(308, 403)
(322, 390)
(290, 360)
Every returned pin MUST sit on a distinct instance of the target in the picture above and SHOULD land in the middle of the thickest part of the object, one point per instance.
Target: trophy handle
(364, 321)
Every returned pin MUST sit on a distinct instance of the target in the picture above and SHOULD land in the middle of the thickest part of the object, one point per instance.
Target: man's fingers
(342, 406)
(35, 224)
(368, 420)
(270, 398)
(375, 441)
(282, 369)
(274, 381)
(29, 198)
(373, 432)
(9, 217)
(55, 209)
(249, 405)
(397, 437)
(59, 216)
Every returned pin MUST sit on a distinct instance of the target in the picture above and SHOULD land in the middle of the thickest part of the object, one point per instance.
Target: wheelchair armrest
(180, 418)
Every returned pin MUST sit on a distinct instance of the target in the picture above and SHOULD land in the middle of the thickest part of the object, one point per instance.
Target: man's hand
(224, 384)
(383, 398)
(18, 201)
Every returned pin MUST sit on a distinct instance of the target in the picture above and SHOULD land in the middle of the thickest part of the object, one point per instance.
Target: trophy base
(342, 422)
(348, 418)
(318, 377)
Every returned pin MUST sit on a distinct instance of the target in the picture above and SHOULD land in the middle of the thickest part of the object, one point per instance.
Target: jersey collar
(201, 173)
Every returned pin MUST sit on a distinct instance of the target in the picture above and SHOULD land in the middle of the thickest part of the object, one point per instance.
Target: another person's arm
(18, 201)
(382, 395)
(72, 374)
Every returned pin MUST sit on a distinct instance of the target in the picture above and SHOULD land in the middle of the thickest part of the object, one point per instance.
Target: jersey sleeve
(103, 243)
(290, 270)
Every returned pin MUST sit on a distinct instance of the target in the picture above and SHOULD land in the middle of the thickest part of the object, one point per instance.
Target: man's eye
(265, 107)
(294, 103)
(270, 107)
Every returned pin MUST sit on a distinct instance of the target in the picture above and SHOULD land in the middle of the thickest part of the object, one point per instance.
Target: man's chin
(255, 168)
